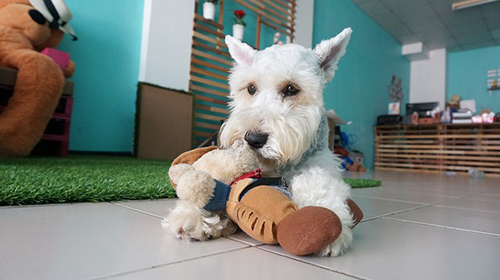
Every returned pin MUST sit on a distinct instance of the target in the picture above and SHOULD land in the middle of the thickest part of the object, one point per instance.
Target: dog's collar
(256, 174)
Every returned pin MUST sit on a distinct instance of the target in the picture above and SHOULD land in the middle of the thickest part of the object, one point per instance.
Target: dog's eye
(251, 89)
(290, 90)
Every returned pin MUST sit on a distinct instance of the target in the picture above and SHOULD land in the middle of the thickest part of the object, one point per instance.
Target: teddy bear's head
(224, 165)
(14, 14)
(192, 174)
(229, 164)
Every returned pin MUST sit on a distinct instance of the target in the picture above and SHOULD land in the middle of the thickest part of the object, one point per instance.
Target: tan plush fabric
(190, 157)
(260, 211)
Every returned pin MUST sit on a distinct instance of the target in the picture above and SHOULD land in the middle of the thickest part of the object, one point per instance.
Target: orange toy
(39, 81)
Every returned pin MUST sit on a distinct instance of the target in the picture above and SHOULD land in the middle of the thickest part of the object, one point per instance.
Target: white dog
(277, 107)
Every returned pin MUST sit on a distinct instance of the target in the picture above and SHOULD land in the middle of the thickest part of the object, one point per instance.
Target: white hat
(56, 12)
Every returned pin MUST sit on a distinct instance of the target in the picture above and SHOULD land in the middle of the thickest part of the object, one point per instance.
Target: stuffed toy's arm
(193, 186)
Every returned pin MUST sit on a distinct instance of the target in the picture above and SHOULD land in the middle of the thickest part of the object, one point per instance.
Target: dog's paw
(186, 222)
(191, 223)
(339, 246)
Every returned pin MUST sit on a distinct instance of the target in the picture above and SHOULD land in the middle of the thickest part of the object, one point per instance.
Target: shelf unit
(210, 64)
(439, 148)
(278, 15)
(55, 140)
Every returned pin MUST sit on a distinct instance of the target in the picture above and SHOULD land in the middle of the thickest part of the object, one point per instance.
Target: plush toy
(229, 180)
(24, 32)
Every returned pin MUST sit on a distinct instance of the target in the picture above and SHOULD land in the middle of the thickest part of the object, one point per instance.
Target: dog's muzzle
(256, 139)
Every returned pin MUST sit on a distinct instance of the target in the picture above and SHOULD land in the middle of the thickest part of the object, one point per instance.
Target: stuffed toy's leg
(258, 211)
(268, 215)
(37, 91)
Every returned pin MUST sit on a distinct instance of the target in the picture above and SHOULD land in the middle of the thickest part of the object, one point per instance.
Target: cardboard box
(163, 122)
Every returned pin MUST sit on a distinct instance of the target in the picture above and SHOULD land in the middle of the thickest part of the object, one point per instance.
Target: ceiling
(435, 24)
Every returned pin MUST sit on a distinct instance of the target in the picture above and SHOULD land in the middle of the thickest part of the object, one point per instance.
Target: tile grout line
(396, 212)
(445, 227)
(242, 242)
(423, 205)
(408, 201)
(390, 199)
(437, 204)
(309, 263)
(468, 209)
(137, 210)
(111, 276)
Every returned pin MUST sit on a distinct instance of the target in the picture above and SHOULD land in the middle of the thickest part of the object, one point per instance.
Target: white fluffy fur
(294, 148)
(189, 222)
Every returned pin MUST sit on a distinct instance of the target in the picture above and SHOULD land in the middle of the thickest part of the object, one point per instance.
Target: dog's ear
(241, 53)
(330, 52)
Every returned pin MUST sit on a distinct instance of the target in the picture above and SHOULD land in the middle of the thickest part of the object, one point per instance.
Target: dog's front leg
(316, 186)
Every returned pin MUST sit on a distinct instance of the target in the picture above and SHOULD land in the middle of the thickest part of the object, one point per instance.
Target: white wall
(166, 43)
(428, 79)
(304, 23)
(167, 34)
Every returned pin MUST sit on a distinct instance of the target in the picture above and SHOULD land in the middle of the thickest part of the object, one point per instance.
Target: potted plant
(239, 24)
(209, 9)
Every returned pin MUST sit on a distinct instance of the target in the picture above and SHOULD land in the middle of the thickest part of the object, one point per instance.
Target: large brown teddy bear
(40, 80)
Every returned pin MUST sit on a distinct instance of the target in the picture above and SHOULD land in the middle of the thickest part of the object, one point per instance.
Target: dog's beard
(291, 131)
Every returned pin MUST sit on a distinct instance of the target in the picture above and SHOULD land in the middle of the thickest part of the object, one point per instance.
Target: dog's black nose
(256, 139)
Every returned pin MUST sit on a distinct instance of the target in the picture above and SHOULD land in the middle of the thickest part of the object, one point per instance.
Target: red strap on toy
(257, 174)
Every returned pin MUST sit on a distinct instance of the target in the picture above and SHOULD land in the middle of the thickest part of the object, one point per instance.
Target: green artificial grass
(82, 178)
(88, 178)
(362, 183)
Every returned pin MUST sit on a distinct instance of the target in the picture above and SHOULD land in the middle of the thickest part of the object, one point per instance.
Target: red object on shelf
(60, 57)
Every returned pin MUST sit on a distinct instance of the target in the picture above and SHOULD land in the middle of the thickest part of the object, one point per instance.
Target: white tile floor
(417, 226)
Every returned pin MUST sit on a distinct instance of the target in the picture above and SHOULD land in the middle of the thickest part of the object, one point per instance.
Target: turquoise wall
(466, 76)
(359, 91)
(107, 56)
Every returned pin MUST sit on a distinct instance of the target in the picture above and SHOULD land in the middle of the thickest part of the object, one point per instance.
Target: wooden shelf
(439, 148)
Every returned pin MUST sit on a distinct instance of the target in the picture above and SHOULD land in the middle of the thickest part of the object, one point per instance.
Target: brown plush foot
(308, 230)
(357, 214)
